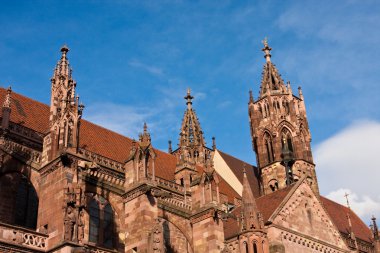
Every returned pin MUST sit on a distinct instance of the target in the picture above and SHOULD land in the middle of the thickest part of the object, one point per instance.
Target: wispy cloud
(351, 158)
(126, 120)
(154, 70)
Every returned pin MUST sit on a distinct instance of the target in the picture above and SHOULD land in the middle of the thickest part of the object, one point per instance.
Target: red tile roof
(338, 214)
(267, 204)
(237, 165)
(35, 115)
(27, 112)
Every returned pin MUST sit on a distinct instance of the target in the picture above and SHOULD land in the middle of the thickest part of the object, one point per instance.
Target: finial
(348, 203)
(251, 100)
(266, 49)
(145, 128)
(170, 150)
(300, 92)
(65, 49)
(244, 170)
(8, 98)
(189, 98)
(213, 143)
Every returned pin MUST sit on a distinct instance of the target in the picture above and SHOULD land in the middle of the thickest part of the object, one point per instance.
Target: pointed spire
(8, 98)
(375, 229)
(189, 99)
(213, 143)
(249, 207)
(251, 100)
(300, 93)
(170, 150)
(266, 49)
(289, 88)
(144, 137)
(6, 111)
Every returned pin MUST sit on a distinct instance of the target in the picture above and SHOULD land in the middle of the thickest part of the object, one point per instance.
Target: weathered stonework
(67, 185)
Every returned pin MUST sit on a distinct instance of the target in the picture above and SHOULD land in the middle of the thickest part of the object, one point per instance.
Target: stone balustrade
(170, 185)
(22, 151)
(95, 249)
(23, 237)
(101, 160)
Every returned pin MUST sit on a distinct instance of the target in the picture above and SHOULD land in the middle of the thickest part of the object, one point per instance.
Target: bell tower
(280, 132)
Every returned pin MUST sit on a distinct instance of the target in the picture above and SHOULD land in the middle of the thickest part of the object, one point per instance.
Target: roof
(267, 204)
(35, 115)
(27, 112)
(236, 165)
(338, 214)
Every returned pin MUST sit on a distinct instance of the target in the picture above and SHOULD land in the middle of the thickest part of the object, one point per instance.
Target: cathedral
(69, 185)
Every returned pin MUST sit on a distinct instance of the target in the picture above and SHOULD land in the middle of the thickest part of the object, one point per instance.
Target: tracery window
(287, 139)
(101, 222)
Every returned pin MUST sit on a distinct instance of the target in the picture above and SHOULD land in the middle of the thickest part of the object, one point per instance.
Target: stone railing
(101, 160)
(25, 132)
(177, 203)
(95, 249)
(106, 175)
(22, 237)
(22, 151)
(170, 185)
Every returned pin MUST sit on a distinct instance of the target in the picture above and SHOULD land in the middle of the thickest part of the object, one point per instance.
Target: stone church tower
(192, 150)
(280, 132)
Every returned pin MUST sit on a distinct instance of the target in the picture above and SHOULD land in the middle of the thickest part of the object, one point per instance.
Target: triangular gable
(302, 211)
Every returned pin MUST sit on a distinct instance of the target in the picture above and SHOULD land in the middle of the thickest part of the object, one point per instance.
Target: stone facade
(68, 185)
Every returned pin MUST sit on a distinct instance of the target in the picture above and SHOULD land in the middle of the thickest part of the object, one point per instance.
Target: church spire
(280, 131)
(266, 49)
(65, 110)
(191, 142)
(271, 79)
(250, 212)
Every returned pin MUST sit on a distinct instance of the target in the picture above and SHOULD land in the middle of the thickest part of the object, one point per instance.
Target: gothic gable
(302, 212)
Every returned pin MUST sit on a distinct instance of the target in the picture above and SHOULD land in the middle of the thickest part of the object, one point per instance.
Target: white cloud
(363, 205)
(348, 161)
(119, 118)
(154, 70)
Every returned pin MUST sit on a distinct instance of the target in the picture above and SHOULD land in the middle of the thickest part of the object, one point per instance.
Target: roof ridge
(19, 94)
(84, 119)
(235, 158)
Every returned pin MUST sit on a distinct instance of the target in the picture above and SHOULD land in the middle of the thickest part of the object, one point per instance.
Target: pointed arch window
(254, 247)
(26, 204)
(269, 147)
(101, 222)
(287, 139)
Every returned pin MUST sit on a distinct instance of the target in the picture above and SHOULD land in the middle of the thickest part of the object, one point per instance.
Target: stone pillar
(141, 214)
(208, 233)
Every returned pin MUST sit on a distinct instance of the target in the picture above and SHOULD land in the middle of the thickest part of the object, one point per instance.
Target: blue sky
(133, 61)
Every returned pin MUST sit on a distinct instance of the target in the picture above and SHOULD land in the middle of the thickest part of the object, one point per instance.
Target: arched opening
(18, 201)
(245, 245)
(268, 147)
(273, 185)
(26, 205)
(287, 139)
(254, 247)
(101, 223)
